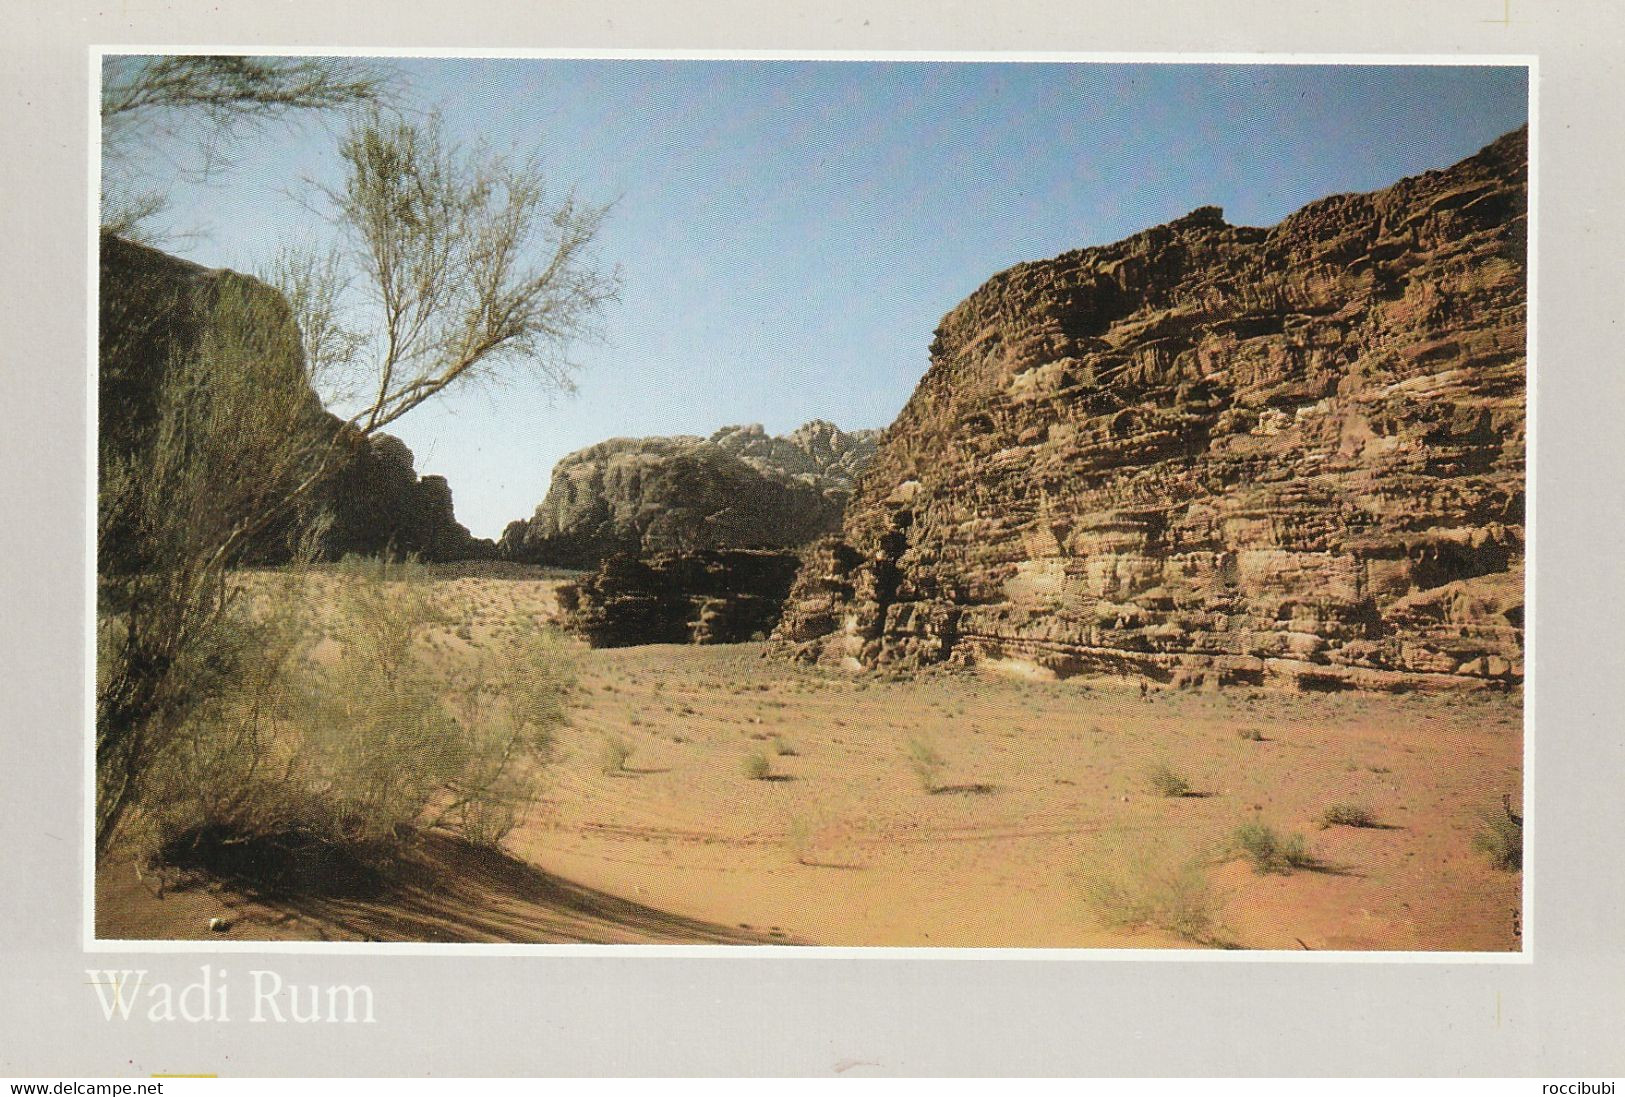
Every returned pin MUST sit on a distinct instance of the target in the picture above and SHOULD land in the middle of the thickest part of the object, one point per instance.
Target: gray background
(498, 1015)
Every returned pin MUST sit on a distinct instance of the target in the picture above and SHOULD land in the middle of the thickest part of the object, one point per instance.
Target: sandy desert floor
(1041, 785)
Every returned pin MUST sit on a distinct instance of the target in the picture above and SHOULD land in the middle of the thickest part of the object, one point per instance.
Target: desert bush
(1269, 851)
(355, 753)
(1251, 735)
(800, 836)
(1134, 881)
(756, 766)
(1165, 781)
(228, 768)
(926, 763)
(1500, 838)
(613, 754)
(375, 735)
(509, 706)
(1347, 815)
(214, 427)
(782, 747)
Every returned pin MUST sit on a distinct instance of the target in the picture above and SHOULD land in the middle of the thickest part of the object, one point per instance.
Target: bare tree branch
(191, 108)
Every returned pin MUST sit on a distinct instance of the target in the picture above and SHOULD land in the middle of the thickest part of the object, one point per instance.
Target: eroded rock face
(704, 597)
(379, 504)
(740, 488)
(1214, 454)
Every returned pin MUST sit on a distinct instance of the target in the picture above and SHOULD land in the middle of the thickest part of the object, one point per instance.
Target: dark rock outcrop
(1213, 454)
(705, 597)
(157, 310)
(740, 488)
(379, 504)
(190, 445)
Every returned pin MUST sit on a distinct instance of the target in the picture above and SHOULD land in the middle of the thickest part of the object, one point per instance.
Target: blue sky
(790, 233)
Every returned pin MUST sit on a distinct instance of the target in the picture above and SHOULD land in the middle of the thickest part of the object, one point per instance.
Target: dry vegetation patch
(341, 729)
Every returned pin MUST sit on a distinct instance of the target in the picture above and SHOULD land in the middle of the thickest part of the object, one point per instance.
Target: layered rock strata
(705, 597)
(1215, 454)
(740, 488)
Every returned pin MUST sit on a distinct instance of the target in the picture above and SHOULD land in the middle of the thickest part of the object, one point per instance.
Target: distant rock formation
(379, 504)
(705, 597)
(1211, 454)
(155, 307)
(740, 488)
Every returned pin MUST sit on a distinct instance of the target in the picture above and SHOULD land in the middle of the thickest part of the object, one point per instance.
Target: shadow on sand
(443, 889)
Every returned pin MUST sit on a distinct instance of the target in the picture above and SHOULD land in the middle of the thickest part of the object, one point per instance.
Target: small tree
(228, 426)
(468, 273)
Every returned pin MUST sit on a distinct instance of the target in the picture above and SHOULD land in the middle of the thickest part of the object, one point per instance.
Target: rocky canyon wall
(739, 488)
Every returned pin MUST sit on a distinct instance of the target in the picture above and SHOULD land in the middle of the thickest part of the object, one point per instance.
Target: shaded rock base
(708, 597)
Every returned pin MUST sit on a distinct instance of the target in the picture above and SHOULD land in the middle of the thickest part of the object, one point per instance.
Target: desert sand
(844, 843)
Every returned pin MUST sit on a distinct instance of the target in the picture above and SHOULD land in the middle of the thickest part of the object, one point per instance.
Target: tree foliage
(194, 106)
(187, 471)
(225, 91)
(465, 271)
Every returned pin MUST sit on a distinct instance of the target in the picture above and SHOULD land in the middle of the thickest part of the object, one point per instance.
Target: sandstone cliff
(1214, 454)
(740, 488)
(157, 310)
(379, 503)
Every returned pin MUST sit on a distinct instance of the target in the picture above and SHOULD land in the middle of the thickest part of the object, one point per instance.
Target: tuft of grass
(1251, 735)
(782, 747)
(926, 763)
(1347, 815)
(1139, 881)
(805, 834)
(756, 766)
(1501, 840)
(613, 755)
(1269, 851)
(799, 837)
(1164, 781)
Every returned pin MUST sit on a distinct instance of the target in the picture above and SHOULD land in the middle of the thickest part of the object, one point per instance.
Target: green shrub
(1295, 852)
(613, 755)
(1164, 781)
(355, 752)
(756, 766)
(1347, 815)
(926, 763)
(1141, 881)
(1269, 851)
(1501, 840)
